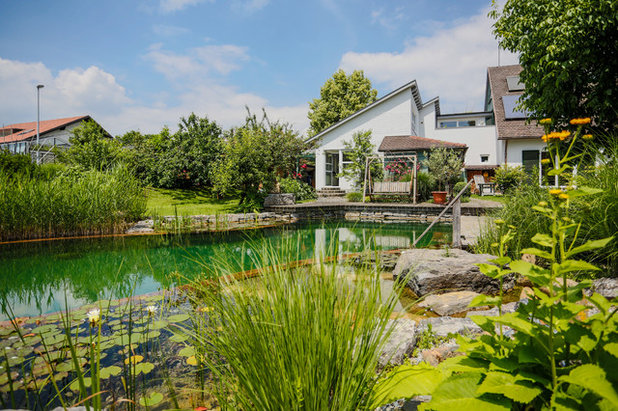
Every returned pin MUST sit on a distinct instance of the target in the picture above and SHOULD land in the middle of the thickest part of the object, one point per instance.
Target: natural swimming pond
(37, 277)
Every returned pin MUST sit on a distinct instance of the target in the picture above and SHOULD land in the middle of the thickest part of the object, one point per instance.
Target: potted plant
(443, 164)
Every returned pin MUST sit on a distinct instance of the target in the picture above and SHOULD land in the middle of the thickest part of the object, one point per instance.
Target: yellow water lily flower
(580, 121)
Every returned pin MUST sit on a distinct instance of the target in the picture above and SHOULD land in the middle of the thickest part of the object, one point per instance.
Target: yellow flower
(564, 196)
(499, 221)
(542, 203)
(580, 121)
(94, 316)
(555, 191)
(587, 136)
(563, 135)
(545, 121)
(545, 161)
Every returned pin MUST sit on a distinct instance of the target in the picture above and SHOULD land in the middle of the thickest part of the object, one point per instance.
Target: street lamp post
(38, 89)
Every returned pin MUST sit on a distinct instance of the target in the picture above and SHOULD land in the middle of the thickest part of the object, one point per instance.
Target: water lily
(151, 310)
(94, 316)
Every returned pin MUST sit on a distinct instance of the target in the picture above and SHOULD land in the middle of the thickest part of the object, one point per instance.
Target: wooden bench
(481, 185)
(391, 188)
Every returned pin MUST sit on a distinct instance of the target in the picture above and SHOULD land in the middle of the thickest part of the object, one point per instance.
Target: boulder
(607, 287)
(449, 303)
(506, 308)
(437, 270)
(400, 344)
(279, 199)
(444, 326)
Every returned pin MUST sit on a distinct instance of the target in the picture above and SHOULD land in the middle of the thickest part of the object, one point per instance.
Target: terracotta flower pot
(439, 197)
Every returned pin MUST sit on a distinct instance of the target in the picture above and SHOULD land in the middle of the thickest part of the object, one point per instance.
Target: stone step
(331, 194)
(330, 189)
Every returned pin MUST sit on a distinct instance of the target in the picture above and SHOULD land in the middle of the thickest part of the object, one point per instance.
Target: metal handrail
(449, 205)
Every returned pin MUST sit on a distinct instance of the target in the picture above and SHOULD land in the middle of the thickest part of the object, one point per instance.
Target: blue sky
(142, 64)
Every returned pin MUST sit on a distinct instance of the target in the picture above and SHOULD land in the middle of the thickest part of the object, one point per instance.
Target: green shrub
(304, 338)
(425, 184)
(458, 187)
(354, 197)
(12, 164)
(300, 189)
(508, 177)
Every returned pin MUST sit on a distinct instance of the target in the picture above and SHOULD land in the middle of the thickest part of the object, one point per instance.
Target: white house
(491, 137)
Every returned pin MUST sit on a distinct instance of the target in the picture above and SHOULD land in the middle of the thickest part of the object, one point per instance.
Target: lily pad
(158, 324)
(45, 329)
(187, 352)
(192, 360)
(107, 372)
(152, 399)
(75, 384)
(144, 368)
(178, 318)
(134, 359)
(179, 337)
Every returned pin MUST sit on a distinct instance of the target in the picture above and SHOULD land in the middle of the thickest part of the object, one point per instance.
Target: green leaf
(187, 352)
(537, 252)
(152, 399)
(458, 392)
(484, 322)
(592, 377)
(509, 386)
(576, 265)
(178, 318)
(600, 302)
(542, 239)
(482, 300)
(109, 371)
(489, 270)
(406, 381)
(144, 368)
(536, 274)
(584, 191)
(611, 348)
(589, 245)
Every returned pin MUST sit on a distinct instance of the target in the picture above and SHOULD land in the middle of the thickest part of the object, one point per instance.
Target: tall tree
(90, 148)
(358, 150)
(340, 96)
(569, 54)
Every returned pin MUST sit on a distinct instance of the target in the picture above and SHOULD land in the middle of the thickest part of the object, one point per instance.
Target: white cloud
(93, 91)
(389, 21)
(169, 31)
(451, 63)
(249, 6)
(168, 6)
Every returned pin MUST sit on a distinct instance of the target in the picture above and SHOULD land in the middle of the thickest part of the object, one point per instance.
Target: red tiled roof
(514, 128)
(45, 126)
(411, 143)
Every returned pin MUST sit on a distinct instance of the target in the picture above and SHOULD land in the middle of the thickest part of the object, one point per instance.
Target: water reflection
(35, 278)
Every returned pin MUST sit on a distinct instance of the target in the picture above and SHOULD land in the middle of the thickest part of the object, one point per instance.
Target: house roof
(411, 143)
(415, 94)
(512, 128)
(26, 131)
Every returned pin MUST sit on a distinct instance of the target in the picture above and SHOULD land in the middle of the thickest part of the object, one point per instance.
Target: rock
(144, 226)
(434, 270)
(449, 303)
(443, 326)
(279, 199)
(526, 293)
(436, 355)
(400, 344)
(607, 287)
(506, 308)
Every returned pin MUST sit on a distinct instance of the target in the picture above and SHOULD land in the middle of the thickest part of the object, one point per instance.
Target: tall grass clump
(295, 338)
(69, 202)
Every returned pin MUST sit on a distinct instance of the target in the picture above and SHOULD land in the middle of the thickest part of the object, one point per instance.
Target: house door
(332, 169)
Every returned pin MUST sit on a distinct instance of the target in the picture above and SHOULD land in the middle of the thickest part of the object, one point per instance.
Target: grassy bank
(161, 201)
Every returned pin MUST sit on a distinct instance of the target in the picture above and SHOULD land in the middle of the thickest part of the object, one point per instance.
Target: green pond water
(38, 277)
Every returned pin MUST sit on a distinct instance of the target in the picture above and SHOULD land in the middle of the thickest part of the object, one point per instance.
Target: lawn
(186, 202)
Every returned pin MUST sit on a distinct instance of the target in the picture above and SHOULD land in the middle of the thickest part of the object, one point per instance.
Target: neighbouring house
(20, 137)
(401, 123)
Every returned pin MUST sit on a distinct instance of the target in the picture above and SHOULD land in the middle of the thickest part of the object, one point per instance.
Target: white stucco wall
(389, 118)
(61, 136)
(514, 149)
(480, 141)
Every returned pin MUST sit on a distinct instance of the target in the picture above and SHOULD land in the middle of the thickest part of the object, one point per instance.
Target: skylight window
(513, 83)
(511, 112)
(25, 132)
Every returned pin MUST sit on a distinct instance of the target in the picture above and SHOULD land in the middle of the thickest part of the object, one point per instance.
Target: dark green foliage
(445, 166)
(569, 56)
(12, 164)
(459, 186)
(509, 177)
(425, 184)
(255, 155)
(300, 189)
(354, 197)
(340, 96)
(91, 148)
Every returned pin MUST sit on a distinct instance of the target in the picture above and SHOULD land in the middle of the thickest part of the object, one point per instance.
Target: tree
(569, 54)
(358, 150)
(340, 96)
(254, 156)
(444, 165)
(90, 148)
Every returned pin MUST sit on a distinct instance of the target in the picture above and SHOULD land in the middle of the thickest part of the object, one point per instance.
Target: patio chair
(483, 187)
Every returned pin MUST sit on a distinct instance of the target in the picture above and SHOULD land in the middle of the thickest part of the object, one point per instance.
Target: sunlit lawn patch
(163, 201)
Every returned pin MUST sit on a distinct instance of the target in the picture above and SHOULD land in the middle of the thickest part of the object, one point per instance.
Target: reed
(68, 204)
